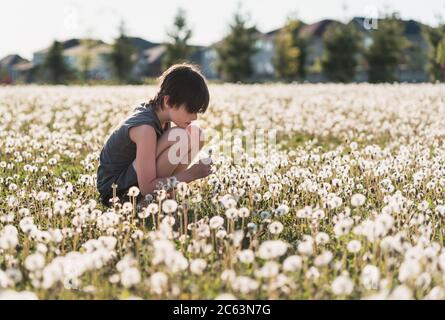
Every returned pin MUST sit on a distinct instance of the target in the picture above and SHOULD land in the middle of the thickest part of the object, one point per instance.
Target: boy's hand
(201, 169)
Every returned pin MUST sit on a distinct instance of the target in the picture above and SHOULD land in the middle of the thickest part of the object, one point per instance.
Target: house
(208, 62)
(8, 74)
(413, 69)
(39, 56)
(75, 50)
(262, 60)
(97, 52)
(149, 63)
(24, 72)
(314, 35)
(141, 46)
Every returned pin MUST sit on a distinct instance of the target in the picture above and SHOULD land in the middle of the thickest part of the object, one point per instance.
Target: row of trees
(343, 51)
(122, 57)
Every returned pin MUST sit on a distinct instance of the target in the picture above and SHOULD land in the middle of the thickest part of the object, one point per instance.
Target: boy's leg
(167, 160)
(164, 167)
(195, 134)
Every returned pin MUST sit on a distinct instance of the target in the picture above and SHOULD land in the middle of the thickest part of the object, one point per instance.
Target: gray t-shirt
(119, 152)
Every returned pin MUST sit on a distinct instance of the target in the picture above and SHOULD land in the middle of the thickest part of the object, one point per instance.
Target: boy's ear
(167, 101)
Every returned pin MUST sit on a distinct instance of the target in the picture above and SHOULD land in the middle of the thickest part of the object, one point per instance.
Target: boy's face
(181, 117)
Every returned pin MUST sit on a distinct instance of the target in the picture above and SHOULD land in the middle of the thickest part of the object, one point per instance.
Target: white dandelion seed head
(133, 191)
(275, 227)
(271, 249)
(342, 285)
(354, 246)
(358, 200)
(169, 206)
(292, 263)
(216, 222)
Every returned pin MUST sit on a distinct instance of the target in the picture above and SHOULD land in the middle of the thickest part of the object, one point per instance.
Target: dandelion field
(349, 206)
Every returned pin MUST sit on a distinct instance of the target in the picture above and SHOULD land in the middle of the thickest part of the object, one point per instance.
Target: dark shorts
(127, 179)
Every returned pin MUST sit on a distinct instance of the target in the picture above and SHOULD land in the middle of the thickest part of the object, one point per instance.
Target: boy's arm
(145, 138)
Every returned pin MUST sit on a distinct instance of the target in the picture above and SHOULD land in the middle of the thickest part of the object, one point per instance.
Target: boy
(143, 151)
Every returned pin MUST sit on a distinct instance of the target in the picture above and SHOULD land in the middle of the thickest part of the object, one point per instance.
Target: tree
(235, 51)
(440, 58)
(86, 57)
(290, 53)
(387, 50)
(4, 76)
(178, 50)
(436, 38)
(54, 64)
(122, 55)
(342, 47)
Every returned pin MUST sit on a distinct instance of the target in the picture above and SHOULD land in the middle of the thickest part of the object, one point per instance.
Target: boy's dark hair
(183, 83)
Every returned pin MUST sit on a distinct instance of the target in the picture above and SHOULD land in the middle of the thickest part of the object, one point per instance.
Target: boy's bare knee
(185, 141)
(196, 135)
(177, 135)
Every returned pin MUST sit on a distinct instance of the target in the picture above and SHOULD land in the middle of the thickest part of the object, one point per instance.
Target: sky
(27, 26)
